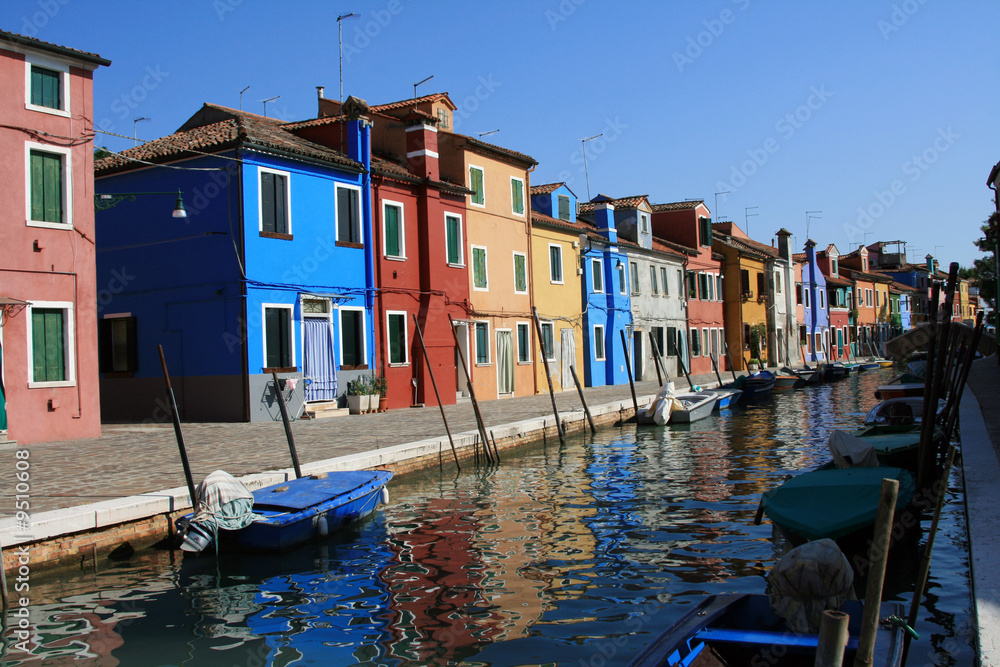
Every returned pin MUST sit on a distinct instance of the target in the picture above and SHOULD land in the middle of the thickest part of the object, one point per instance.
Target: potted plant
(378, 388)
(358, 395)
(757, 332)
(753, 364)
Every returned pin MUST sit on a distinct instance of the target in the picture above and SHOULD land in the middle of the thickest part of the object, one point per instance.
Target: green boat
(833, 503)
(895, 445)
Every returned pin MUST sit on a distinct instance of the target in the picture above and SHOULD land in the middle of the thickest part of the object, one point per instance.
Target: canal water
(572, 555)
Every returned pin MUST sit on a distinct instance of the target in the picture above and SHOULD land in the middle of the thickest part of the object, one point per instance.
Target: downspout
(377, 322)
(531, 267)
(244, 335)
(364, 153)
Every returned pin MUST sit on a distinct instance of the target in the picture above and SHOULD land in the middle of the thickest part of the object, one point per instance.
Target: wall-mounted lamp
(618, 263)
(103, 202)
(584, 239)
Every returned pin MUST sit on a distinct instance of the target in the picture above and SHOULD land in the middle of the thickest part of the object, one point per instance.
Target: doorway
(637, 355)
(461, 354)
(505, 362)
(319, 365)
(567, 357)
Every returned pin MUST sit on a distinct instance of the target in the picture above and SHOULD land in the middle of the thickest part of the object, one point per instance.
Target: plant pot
(752, 368)
(383, 403)
(373, 401)
(358, 404)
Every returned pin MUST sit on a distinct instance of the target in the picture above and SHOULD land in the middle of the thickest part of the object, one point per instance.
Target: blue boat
(758, 384)
(740, 628)
(291, 513)
(728, 397)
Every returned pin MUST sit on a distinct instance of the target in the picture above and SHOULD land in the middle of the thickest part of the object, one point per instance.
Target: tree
(984, 270)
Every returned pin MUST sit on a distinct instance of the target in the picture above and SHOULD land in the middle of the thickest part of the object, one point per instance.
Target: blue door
(3, 398)
(318, 360)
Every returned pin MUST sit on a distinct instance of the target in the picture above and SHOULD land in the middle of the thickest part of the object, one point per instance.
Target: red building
(687, 225)
(48, 292)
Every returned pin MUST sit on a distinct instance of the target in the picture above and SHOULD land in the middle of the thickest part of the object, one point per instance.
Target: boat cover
(807, 581)
(851, 452)
(223, 502)
(298, 494)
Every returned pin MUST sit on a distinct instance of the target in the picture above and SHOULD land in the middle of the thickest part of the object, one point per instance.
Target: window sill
(402, 365)
(359, 367)
(349, 244)
(524, 363)
(48, 110)
(280, 369)
(393, 258)
(49, 225)
(557, 282)
(47, 385)
(276, 235)
(456, 266)
(484, 365)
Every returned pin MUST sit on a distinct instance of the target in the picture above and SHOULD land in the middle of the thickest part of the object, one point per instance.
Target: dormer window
(564, 207)
(443, 118)
(644, 222)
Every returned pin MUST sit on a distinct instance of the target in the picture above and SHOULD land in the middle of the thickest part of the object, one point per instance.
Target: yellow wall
(740, 311)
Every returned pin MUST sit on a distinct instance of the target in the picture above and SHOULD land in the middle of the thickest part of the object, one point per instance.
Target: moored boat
(787, 381)
(758, 384)
(694, 406)
(727, 397)
(899, 390)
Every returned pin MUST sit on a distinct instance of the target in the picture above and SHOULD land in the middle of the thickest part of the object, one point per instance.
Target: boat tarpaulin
(807, 581)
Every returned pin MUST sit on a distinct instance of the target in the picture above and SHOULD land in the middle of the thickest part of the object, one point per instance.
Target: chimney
(319, 92)
(784, 247)
(931, 263)
(422, 156)
(604, 220)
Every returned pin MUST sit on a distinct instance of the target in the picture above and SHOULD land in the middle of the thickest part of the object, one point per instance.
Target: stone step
(324, 410)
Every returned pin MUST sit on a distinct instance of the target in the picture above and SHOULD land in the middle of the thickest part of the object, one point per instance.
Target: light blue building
(270, 271)
(816, 322)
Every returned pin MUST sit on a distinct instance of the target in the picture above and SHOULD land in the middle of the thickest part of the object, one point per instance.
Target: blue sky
(879, 114)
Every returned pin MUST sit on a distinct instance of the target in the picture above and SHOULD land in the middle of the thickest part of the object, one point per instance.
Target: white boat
(694, 405)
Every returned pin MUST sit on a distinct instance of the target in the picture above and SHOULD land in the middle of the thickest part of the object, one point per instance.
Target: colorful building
(746, 292)
(812, 292)
(839, 299)
(49, 298)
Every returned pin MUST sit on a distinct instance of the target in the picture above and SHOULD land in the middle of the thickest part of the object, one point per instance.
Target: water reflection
(574, 554)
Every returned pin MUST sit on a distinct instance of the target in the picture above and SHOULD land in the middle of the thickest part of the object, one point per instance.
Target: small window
(777, 283)
(348, 215)
(599, 342)
(49, 194)
(744, 282)
(555, 263)
(479, 272)
(564, 213)
(621, 277)
(695, 343)
(278, 337)
(761, 285)
(523, 343)
(476, 185)
(517, 195)
(718, 287)
(634, 269)
(352, 339)
(46, 85)
(453, 234)
(666, 285)
(705, 231)
(703, 286)
(644, 222)
(397, 338)
(658, 338)
(315, 306)
(548, 337)
(692, 280)
(273, 202)
(653, 282)
(117, 349)
(51, 335)
(482, 343)
(392, 225)
(597, 266)
(442, 115)
(822, 299)
(671, 341)
(805, 298)
(520, 273)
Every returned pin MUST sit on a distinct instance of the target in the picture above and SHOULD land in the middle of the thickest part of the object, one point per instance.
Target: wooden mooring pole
(287, 425)
(177, 430)
(877, 556)
(437, 396)
(545, 360)
(472, 394)
(586, 409)
(628, 367)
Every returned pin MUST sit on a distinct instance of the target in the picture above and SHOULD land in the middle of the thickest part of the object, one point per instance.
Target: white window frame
(292, 338)
(486, 267)
(517, 338)
(67, 184)
(475, 344)
(469, 174)
(806, 301)
(461, 240)
(562, 273)
(868, 297)
(822, 299)
(633, 271)
(406, 340)
(599, 336)
(69, 343)
(340, 334)
(597, 268)
(402, 231)
(523, 195)
(654, 281)
(64, 84)
(623, 286)
(513, 261)
(550, 353)
(260, 197)
(336, 212)
(665, 279)
(643, 222)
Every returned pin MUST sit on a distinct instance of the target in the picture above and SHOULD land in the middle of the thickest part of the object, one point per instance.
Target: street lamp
(105, 201)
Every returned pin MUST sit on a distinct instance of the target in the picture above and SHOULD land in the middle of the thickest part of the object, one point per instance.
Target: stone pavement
(128, 460)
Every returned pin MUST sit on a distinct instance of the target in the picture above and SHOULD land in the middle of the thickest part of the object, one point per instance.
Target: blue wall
(612, 309)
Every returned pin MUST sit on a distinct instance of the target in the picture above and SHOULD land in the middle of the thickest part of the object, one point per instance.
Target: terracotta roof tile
(837, 280)
(402, 104)
(15, 38)
(660, 246)
(678, 205)
(546, 189)
(578, 227)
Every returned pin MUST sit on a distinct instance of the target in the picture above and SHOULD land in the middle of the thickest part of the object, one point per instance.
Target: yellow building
(555, 251)
(745, 291)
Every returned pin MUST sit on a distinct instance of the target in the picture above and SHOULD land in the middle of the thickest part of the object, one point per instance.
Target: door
(840, 342)
(461, 360)
(319, 364)
(3, 396)
(637, 355)
(567, 357)
(505, 361)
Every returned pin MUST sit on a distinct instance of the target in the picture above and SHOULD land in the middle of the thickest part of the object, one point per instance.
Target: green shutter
(564, 207)
(522, 343)
(46, 187)
(267, 211)
(482, 344)
(517, 195)
(452, 228)
(45, 88)
(392, 231)
(479, 267)
(520, 275)
(48, 353)
(476, 185)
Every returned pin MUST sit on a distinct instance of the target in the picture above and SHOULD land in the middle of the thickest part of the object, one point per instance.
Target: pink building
(48, 291)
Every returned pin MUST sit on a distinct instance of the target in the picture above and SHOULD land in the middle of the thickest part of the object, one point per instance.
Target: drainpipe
(244, 335)
(531, 269)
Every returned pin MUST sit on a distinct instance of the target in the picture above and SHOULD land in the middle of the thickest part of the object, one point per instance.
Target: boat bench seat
(786, 638)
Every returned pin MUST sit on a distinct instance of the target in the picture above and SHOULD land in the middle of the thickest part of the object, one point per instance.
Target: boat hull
(701, 405)
(899, 390)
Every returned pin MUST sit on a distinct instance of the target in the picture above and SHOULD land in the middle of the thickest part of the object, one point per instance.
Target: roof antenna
(270, 99)
(420, 82)
(241, 96)
(483, 134)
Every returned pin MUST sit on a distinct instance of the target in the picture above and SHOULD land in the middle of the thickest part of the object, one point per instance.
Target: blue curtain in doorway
(319, 363)
(3, 398)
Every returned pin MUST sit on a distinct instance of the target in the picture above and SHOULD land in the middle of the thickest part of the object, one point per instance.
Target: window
(680, 283)
(658, 339)
(392, 225)
(761, 287)
(876, 298)
(548, 338)
(352, 339)
(621, 277)
(705, 231)
(479, 274)
(116, 344)
(476, 185)
(348, 215)
(598, 342)
(695, 343)
(46, 85)
(718, 287)
(523, 343)
(703, 286)
(644, 222)
(803, 336)
(273, 201)
(833, 262)
(744, 282)
(798, 293)
(555, 264)
(51, 335)
(278, 348)
(711, 286)
(671, 341)
(653, 281)
(396, 338)
(597, 266)
(517, 195)
(442, 115)
(49, 190)
(692, 280)
(315, 306)
(453, 234)
(705, 344)
(564, 213)
(822, 299)
(868, 297)
(666, 285)
(482, 343)
(634, 268)
(777, 283)
(520, 273)
(805, 298)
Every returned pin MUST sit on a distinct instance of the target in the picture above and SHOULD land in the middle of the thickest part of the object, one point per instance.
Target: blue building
(813, 296)
(270, 271)
(608, 309)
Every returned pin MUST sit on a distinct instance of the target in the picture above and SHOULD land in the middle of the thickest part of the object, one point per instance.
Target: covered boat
(758, 384)
(899, 390)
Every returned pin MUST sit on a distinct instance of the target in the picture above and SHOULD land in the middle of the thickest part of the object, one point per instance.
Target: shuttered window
(520, 273)
(273, 202)
(393, 219)
(352, 339)
(348, 215)
(48, 341)
(46, 187)
(555, 264)
(479, 277)
(564, 207)
(523, 343)
(476, 185)
(453, 229)
(599, 343)
(672, 341)
(482, 343)
(517, 196)
(117, 345)
(548, 338)
(46, 87)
